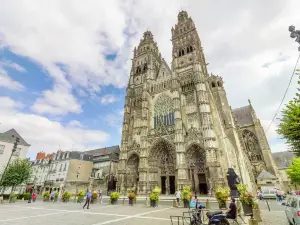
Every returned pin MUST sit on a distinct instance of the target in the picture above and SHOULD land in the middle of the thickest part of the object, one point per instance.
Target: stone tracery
(252, 146)
(196, 156)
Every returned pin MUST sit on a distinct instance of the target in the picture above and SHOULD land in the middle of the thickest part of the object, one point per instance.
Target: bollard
(147, 202)
(253, 221)
(207, 205)
(123, 201)
(175, 204)
(256, 215)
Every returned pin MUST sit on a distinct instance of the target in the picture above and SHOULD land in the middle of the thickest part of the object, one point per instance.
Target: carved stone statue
(233, 180)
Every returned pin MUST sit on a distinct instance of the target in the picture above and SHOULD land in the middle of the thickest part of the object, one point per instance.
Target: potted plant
(186, 196)
(66, 196)
(154, 196)
(131, 195)
(222, 194)
(246, 198)
(80, 196)
(94, 197)
(45, 195)
(114, 196)
(55, 196)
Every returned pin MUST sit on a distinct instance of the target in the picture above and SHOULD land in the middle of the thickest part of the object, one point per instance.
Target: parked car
(268, 193)
(292, 209)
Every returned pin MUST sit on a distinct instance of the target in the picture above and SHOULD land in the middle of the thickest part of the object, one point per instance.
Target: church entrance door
(132, 172)
(161, 161)
(202, 183)
(196, 161)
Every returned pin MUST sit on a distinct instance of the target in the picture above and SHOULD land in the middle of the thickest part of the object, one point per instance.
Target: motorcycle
(214, 218)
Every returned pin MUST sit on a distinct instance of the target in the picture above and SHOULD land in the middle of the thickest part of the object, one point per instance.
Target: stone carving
(192, 117)
(132, 170)
(138, 114)
(138, 91)
(134, 147)
(194, 134)
(162, 156)
(163, 105)
(190, 98)
(196, 157)
(252, 146)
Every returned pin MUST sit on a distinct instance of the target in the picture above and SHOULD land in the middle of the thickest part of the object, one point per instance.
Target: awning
(29, 187)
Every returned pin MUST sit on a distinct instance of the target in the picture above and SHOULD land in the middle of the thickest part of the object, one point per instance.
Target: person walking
(52, 196)
(88, 199)
(100, 196)
(177, 194)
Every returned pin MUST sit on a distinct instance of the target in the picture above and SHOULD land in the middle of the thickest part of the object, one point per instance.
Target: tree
(294, 171)
(289, 127)
(16, 173)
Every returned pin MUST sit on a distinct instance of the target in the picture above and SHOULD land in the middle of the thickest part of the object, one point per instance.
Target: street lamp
(295, 34)
(14, 149)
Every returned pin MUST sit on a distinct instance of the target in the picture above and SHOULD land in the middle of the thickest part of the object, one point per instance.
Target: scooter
(214, 218)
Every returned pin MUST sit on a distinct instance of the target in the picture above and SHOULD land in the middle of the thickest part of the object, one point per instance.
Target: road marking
(28, 217)
(134, 216)
(13, 210)
(152, 218)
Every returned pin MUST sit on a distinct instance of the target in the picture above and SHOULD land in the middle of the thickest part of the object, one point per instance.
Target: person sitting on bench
(231, 213)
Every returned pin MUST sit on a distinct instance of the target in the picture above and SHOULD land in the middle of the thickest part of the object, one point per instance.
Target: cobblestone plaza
(22, 213)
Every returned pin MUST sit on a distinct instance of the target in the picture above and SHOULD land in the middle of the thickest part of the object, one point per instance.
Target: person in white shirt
(177, 194)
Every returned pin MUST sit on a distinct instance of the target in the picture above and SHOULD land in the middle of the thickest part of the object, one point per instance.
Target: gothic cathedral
(178, 127)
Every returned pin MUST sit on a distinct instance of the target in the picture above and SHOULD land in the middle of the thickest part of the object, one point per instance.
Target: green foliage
(46, 195)
(186, 194)
(154, 196)
(222, 194)
(81, 195)
(293, 171)
(26, 196)
(55, 195)
(66, 196)
(289, 126)
(114, 196)
(245, 196)
(94, 196)
(131, 193)
(16, 173)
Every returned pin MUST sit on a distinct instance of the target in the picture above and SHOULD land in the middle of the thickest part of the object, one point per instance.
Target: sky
(64, 65)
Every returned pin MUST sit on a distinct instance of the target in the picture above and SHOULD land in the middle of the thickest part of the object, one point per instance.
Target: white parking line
(134, 216)
(28, 217)
(12, 210)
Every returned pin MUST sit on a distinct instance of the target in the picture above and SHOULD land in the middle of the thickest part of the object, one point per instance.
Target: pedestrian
(100, 196)
(1, 199)
(177, 194)
(277, 194)
(52, 196)
(260, 197)
(88, 199)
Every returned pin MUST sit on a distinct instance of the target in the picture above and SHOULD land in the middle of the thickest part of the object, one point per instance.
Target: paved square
(72, 214)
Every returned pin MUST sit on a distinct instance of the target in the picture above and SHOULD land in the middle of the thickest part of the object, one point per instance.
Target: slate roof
(266, 175)
(283, 159)
(10, 137)
(243, 115)
(101, 151)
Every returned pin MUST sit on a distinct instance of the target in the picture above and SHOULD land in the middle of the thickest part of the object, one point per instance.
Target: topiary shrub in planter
(154, 196)
(186, 196)
(27, 196)
(12, 198)
(114, 196)
(222, 194)
(94, 197)
(56, 196)
(66, 196)
(246, 198)
(46, 196)
(80, 196)
(131, 195)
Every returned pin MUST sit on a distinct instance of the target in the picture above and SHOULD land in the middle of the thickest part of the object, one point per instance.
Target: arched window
(213, 84)
(182, 52)
(219, 84)
(191, 49)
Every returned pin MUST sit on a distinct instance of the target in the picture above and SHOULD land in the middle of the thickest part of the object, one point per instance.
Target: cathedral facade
(178, 126)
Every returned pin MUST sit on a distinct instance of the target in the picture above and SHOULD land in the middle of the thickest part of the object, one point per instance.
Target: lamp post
(14, 149)
(295, 34)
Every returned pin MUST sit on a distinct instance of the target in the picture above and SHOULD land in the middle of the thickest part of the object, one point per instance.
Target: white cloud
(58, 101)
(115, 119)
(7, 82)
(15, 66)
(106, 99)
(74, 123)
(44, 134)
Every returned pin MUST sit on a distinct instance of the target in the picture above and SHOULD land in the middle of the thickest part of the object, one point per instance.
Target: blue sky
(64, 66)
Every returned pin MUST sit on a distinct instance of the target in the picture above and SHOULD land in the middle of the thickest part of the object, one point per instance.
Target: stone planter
(186, 203)
(248, 211)
(153, 203)
(222, 205)
(256, 215)
(114, 201)
(131, 201)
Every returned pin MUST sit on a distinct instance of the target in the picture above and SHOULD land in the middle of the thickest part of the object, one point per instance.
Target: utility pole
(295, 34)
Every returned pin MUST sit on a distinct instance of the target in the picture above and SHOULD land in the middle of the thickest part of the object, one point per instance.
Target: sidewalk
(273, 218)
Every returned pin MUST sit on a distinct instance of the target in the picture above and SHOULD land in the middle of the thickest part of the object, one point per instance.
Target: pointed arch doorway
(132, 171)
(162, 161)
(196, 162)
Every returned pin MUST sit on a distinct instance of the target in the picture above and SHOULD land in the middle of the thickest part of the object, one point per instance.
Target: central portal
(161, 161)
